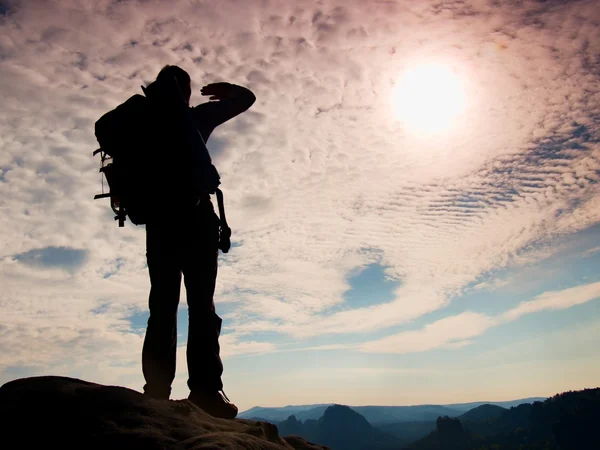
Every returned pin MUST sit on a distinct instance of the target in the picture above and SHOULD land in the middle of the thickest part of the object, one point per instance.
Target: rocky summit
(65, 413)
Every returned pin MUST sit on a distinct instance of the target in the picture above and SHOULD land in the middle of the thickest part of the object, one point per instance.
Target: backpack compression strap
(225, 233)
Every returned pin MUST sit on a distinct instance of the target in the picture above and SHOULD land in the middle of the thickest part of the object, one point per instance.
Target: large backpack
(130, 137)
(127, 159)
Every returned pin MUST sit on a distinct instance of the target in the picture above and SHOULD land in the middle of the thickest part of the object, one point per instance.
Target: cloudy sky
(414, 196)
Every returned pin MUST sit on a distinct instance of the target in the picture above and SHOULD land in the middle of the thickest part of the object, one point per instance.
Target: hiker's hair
(182, 77)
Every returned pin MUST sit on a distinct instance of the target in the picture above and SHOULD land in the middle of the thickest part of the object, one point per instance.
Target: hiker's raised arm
(227, 91)
(227, 101)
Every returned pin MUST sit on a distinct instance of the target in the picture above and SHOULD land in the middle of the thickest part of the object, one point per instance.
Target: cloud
(492, 284)
(556, 300)
(64, 257)
(590, 252)
(232, 345)
(453, 332)
(320, 177)
(459, 330)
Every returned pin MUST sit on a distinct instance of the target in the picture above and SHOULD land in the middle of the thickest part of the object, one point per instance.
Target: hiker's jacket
(181, 168)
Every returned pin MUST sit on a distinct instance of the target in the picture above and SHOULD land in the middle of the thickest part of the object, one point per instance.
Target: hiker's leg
(200, 273)
(160, 343)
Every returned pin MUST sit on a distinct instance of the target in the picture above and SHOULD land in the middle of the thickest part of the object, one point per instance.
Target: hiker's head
(183, 79)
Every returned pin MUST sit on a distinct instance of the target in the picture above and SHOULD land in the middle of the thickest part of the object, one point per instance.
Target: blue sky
(414, 196)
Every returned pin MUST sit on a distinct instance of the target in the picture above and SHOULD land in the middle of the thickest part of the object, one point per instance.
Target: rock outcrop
(65, 413)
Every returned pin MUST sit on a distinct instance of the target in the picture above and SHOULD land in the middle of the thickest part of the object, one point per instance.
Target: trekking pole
(225, 233)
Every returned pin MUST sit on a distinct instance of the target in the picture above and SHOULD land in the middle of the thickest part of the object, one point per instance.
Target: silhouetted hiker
(186, 241)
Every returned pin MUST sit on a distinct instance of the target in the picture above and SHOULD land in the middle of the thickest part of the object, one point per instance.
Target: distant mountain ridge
(293, 409)
(301, 412)
(341, 428)
(504, 404)
(378, 415)
(566, 421)
(483, 413)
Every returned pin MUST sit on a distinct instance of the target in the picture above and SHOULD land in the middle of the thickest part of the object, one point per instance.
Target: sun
(429, 99)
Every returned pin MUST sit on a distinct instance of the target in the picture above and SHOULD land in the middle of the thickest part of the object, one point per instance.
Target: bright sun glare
(429, 98)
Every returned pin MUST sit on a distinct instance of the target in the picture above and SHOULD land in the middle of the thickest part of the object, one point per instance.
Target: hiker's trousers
(183, 244)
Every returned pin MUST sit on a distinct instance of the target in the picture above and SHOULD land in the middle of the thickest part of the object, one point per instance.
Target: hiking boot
(214, 403)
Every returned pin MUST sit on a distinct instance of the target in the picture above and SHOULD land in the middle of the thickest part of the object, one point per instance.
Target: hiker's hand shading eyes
(217, 91)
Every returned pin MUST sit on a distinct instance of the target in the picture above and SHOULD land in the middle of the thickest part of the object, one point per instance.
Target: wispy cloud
(590, 252)
(453, 331)
(459, 330)
(234, 346)
(556, 300)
